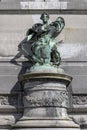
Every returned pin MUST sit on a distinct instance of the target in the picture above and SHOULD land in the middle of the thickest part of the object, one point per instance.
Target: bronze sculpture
(41, 38)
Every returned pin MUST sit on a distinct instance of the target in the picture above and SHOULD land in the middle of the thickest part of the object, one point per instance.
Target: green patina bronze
(41, 38)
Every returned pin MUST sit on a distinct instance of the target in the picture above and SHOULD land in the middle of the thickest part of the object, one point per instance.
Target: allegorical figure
(41, 38)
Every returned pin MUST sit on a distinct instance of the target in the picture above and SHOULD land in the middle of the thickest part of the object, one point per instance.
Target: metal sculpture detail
(41, 38)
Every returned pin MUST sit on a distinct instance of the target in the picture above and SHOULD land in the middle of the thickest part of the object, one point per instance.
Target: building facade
(16, 17)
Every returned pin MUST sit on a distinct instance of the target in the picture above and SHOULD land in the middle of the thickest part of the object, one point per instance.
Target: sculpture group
(41, 39)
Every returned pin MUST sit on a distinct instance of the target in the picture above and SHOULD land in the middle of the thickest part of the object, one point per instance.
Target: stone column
(45, 102)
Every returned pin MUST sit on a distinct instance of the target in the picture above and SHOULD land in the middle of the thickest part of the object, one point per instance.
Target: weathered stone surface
(9, 73)
(73, 49)
(74, 40)
(80, 100)
(43, 5)
(78, 71)
(48, 129)
(45, 94)
(9, 76)
(47, 123)
(8, 83)
(6, 122)
(45, 101)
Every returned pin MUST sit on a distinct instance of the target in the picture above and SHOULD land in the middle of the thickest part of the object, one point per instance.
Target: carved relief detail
(59, 98)
(79, 100)
(4, 100)
(8, 100)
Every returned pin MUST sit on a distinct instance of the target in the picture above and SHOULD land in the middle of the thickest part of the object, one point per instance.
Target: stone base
(47, 128)
(45, 69)
(5, 123)
(45, 124)
(45, 101)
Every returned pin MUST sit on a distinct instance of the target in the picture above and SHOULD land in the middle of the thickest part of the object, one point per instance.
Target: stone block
(78, 71)
(46, 129)
(47, 4)
(75, 5)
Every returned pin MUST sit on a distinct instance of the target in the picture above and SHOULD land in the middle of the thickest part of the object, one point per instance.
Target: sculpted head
(44, 17)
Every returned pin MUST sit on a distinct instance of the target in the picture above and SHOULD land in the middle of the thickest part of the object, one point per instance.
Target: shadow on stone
(16, 94)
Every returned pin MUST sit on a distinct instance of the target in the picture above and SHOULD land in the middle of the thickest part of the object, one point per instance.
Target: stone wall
(15, 19)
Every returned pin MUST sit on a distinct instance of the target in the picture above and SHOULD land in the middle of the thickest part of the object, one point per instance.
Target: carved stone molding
(57, 98)
(8, 100)
(79, 100)
(4, 100)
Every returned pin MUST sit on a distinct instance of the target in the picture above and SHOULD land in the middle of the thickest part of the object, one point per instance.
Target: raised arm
(56, 27)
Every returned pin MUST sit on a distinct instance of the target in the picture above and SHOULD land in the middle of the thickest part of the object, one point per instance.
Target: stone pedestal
(45, 102)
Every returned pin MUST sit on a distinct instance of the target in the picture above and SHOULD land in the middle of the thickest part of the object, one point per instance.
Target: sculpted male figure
(41, 37)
